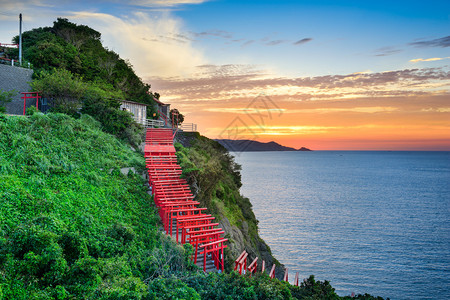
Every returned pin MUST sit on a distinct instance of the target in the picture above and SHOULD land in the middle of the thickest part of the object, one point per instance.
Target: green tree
(176, 117)
(5, 97)
(62, 88)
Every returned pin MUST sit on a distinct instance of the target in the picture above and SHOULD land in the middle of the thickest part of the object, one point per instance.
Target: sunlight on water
(369, 222)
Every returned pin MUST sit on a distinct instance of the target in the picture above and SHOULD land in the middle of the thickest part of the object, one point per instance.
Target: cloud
(386, 51)
(303, 41)
(214, 33)
(134, 37)
(219, 83)
(441, 42)
(275, 42)
(428, 59)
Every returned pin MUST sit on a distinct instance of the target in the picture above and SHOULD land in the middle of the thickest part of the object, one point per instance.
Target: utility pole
(20, 39)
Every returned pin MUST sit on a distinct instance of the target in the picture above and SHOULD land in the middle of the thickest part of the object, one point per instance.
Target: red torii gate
(186, 223)
(241, 262)
(30, 95)
(252, 267)
(214, 248)
(200, 237)
(197, 211)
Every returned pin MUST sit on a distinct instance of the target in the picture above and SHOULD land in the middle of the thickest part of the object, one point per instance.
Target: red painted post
(263, 267)
(272, 272)
(24, 103)
(285, 275)
(296, 279)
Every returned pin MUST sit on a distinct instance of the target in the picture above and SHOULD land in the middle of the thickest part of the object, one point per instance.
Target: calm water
(369, 222)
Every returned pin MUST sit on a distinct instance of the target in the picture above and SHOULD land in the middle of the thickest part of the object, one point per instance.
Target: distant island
(249, 145)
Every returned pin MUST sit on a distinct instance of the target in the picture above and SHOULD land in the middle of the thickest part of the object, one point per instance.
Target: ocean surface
(368, 222)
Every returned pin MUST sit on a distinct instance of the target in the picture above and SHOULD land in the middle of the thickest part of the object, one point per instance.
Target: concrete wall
(15, 78)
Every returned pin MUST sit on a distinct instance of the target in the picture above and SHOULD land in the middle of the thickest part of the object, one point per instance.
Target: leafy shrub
(31, 110)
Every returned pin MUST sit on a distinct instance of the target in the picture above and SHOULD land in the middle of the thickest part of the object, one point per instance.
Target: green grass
(71, 225)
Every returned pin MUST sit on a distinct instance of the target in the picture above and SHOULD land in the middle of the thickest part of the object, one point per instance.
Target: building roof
(159, 102)
(132, 102)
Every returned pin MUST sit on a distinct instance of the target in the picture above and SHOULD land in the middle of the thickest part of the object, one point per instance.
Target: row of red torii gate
(179, 212)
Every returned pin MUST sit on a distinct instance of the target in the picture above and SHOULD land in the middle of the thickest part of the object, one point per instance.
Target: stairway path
(178, 210)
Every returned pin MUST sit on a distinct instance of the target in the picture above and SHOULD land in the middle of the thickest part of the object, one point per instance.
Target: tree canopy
(78, 49)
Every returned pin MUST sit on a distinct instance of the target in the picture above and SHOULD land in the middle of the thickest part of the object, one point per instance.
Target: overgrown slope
(215, 179)
(70, 223)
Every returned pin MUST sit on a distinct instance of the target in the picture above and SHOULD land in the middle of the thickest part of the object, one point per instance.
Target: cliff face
(215, 180)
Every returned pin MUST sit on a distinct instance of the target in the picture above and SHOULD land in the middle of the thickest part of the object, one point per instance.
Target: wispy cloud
(303, 41)
(164, 3)
(386, 51)
(275, 42)
(214, 33)
(440, 42)
(428, 59)
(219, 83)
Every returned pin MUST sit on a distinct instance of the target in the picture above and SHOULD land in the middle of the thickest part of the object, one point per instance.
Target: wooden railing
(149, 123)
(190, 127)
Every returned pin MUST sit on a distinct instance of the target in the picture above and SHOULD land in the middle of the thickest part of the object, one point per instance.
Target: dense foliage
(71, 224)
(78, 49)
(70, 95)
(75, 73)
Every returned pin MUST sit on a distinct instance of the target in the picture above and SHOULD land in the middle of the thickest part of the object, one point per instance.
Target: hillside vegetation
(76, 74)
(70, 223)
(78, 49)
(72, 226)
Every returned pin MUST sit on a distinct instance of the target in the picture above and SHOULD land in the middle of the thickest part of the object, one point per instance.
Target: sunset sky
(327, 75)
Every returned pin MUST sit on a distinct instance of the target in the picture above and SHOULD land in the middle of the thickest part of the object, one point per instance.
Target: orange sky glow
(404, 110)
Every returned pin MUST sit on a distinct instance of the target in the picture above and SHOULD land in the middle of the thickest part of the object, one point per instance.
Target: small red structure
(253, 266)
(241, 262)
(30, 95)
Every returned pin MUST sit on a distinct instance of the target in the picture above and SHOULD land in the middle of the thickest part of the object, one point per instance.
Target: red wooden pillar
(296, 279)
(272, 272)
(285, 275)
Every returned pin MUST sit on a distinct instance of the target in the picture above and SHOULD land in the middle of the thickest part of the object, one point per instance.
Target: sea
(374, 222)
